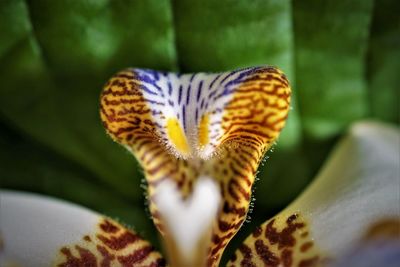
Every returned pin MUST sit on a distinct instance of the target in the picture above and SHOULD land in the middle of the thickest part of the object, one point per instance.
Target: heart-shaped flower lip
(184, 126)
(194, 114)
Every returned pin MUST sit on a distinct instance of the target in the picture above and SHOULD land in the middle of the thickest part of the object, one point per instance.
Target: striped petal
(354, 201)
(184, 127)
(41, 231)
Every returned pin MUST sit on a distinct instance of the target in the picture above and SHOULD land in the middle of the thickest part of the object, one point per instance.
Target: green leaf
(384, 64)
(53, 72)
(331, 40)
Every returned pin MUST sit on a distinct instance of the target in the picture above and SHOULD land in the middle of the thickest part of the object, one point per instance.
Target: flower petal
(41, 231)
(355, 198)
(182, 127)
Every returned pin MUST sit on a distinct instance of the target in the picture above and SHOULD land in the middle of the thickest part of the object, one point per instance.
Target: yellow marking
(177, 136)
(203, 130)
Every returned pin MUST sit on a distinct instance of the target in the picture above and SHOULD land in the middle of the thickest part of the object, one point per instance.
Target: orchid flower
(200, 138)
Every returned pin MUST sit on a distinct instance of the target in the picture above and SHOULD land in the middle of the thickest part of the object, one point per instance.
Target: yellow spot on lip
(203, 130)
(177, 136)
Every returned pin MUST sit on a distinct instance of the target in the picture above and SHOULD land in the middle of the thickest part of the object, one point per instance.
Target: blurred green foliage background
(342, 58)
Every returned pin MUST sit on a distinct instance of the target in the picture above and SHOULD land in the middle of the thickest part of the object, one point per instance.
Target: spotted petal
(353, 201)
(185, 127)
(41, 231)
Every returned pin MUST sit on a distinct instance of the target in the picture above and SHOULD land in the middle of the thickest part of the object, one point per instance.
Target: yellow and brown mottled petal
(182, 127)
(283, 241)
(111, 244)
(42, 231)
(354, 200)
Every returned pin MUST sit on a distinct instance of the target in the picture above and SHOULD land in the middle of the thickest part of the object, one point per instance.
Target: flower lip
(183, 127)
(192, 114)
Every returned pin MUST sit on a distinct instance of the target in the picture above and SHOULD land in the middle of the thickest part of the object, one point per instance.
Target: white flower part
(188, 219)
(358, 187)
(33, 228)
